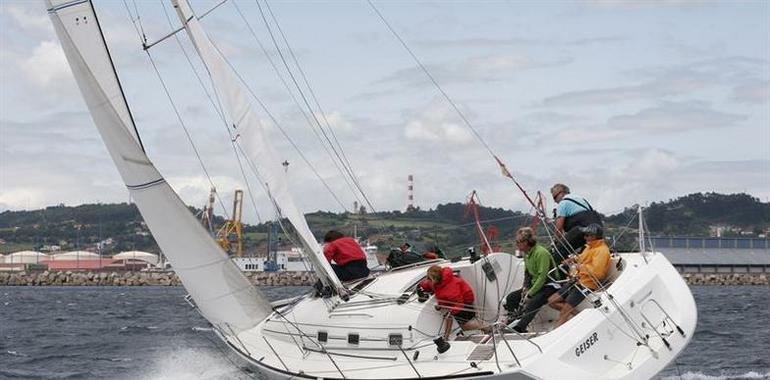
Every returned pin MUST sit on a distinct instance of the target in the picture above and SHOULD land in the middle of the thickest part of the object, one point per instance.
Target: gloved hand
(421, 295)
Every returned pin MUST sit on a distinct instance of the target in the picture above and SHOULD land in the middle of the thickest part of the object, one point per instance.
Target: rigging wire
(354, 178)
(348, 170)
(462, 116)
(280, 128)
(176, 110)
(296, 102)
(219, 112)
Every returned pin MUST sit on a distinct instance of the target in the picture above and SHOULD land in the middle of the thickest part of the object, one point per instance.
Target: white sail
(239, 114)
(220, 291)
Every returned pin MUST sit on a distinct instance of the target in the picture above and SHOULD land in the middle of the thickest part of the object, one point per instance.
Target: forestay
(239, 115)
(221, 292)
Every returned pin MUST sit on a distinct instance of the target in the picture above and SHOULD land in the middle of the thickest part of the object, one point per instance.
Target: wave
(136, 329)
(22, 374)
(751, 375)
(15, 353)
(191, 363)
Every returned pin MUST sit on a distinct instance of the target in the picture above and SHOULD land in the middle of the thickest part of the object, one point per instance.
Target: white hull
(645, 318)
(613, 352)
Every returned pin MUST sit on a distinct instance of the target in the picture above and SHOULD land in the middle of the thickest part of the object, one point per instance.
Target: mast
(642, 248)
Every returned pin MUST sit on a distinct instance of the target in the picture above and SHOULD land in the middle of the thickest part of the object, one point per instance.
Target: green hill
(118, 227)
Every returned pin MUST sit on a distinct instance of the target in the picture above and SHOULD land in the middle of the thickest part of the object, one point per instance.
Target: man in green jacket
(536, 290)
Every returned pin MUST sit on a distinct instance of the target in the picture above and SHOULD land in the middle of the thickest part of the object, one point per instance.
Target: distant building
(147, 257)
(715, 255)
(26, 257)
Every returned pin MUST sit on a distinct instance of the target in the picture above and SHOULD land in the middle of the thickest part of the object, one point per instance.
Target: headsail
(221, 292)
(239, 115)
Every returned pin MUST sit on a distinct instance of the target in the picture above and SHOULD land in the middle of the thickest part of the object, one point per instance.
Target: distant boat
(374, 328)
(294, 260)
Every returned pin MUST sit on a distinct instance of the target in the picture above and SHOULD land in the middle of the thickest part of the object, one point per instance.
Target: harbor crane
(230, 236)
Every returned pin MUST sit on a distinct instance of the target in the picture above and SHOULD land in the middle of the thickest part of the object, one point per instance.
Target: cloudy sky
(626, 102)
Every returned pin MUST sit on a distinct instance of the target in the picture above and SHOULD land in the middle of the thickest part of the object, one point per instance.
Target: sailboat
(374, 328)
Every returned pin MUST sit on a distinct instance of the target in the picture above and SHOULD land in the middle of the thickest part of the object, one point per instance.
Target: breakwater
(52, 278)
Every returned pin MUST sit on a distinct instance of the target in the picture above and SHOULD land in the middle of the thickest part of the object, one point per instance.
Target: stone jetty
(48, 278)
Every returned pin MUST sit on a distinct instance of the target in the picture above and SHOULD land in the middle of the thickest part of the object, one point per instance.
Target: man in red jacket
(454, 295)
(349, 260)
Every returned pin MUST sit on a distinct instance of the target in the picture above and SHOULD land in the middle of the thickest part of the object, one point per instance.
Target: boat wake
(191, 363)
(751, 375)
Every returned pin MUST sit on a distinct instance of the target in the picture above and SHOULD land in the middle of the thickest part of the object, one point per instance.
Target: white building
(26, 257)
(75, 255)
(147, 257)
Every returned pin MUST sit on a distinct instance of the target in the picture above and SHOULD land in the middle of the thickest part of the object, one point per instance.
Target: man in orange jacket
(591, 267)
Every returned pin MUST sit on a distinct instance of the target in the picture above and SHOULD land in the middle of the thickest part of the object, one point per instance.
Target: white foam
(751, 375)
(191, 363)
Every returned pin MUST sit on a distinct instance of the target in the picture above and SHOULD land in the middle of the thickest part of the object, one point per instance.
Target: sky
(625, 102)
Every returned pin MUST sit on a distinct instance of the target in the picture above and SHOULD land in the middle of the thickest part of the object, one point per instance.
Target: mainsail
(239, 115)
(220, 291)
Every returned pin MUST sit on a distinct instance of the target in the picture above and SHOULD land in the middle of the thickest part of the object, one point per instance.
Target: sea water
(152, 333)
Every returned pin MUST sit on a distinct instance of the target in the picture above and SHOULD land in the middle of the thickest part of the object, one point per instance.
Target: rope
(465, 120)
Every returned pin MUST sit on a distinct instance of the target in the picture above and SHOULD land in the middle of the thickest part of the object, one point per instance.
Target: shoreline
(51, 278)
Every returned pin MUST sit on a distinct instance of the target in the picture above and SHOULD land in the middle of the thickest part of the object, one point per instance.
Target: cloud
(667, 81)
(490, 67)
(668, 117)
(640, 4)
(675, 116)
(436, 123)
(31, 18)
(339, 123)
(47, 65)
(752, 93)
(647, 175)
(497, 43)
(587, 133)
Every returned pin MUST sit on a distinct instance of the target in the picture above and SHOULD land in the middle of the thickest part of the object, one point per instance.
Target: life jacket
(398, 258)
(583, 218)
(452, 292)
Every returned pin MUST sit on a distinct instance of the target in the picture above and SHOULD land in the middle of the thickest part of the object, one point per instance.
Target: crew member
(347, 258)
(455, 296)
(572, 212)
(536, 289)
(591, 268)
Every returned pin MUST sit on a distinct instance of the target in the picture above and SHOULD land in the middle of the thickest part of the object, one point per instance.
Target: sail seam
(146, 185)
(66, 5)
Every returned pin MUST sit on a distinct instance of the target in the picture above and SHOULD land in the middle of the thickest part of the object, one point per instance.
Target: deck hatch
(481, 352)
